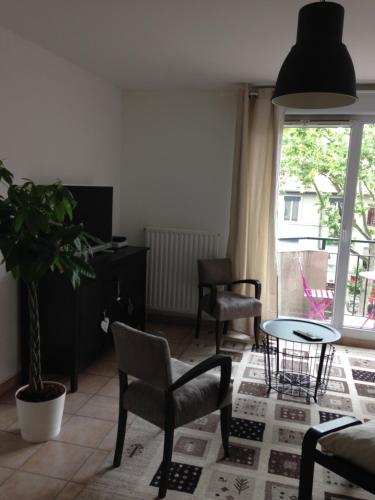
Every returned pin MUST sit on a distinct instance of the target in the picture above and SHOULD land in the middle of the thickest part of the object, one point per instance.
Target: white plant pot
(40, 421)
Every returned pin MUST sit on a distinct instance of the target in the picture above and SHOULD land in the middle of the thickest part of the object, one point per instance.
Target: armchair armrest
(206, 285)
(225, 363)
(316, 432)
(256, 283)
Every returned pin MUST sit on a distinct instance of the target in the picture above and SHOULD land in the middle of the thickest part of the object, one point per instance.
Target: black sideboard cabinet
(70, 320)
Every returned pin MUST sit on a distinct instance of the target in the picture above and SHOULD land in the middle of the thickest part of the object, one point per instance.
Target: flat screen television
(94, 211)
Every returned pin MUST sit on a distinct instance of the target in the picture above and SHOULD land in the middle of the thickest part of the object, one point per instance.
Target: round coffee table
(294, 365)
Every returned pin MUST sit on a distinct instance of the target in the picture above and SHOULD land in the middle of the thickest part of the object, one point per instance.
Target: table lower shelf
(295, 384)
(295, 369)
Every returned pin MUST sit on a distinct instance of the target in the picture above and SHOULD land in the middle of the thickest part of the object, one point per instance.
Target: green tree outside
(310, 153)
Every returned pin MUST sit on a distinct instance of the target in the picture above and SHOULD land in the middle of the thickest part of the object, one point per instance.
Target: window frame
(295, 201)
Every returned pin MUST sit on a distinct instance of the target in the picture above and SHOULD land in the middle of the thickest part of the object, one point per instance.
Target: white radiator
(172, 275)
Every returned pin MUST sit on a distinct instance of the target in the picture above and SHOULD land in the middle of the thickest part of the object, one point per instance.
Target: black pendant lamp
(318, 71)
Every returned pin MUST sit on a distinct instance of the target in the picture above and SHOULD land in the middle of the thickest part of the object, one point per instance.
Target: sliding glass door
(326, 224)
(312, 184)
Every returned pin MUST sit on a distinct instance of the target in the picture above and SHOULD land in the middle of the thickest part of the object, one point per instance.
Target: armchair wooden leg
(198, 324)
(120, 437)
(306, 475)
(167, 457)
(257, 321)
(306, 480)
(218, 335)
(225, 421)
(226, 326)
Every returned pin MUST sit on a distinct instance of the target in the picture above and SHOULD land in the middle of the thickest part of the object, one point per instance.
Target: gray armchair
(167, 392)
(225, 305)
(348, 449)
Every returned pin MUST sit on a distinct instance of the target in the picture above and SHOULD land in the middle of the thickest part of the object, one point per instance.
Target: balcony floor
(357, 322)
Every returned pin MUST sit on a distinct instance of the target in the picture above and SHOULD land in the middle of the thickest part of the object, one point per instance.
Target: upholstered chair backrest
(142, 355)
(215, 271)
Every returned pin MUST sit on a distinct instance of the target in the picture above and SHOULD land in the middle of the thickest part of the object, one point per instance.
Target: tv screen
(94, 209)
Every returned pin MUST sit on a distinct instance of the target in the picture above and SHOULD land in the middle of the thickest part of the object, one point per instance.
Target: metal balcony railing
(359, 291)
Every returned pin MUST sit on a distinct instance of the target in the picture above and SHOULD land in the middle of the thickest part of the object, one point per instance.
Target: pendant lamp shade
(318, 71)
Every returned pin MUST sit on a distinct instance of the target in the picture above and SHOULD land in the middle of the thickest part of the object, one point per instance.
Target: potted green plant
(37, 236)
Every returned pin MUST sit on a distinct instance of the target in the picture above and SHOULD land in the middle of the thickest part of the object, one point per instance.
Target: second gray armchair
(220, 302)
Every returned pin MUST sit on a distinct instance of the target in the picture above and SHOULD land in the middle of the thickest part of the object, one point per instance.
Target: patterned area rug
(265, 443)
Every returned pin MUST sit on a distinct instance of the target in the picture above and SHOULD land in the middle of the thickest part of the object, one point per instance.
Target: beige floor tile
(109, 442)
(176, 349)
(66, 417)
(14, 451)
(90, 384)
(8, 398)
(22, 486)
(74, 401)
(8, 416)
(176, 332)
(55, 459)
(85, 431)
(104, 368)
(180, 337)
(92, 466)
(110, 356)
(111, 388)
(5, 473)
(71, 491)
(100, 407)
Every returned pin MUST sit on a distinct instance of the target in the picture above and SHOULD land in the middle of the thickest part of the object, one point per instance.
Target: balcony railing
(360, 293)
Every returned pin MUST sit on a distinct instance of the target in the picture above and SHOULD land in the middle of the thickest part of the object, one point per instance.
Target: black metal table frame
(322, 368)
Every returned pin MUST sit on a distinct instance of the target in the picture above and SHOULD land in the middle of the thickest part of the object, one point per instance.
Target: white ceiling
(155, 44)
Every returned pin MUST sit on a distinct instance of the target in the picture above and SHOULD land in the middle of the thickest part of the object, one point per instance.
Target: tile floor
(59, 469)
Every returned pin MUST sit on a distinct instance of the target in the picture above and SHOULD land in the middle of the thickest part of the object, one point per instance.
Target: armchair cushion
(193, 400)
(232, 305)
(354, 444)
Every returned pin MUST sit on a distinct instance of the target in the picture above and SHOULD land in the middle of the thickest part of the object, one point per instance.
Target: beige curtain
(252, 236)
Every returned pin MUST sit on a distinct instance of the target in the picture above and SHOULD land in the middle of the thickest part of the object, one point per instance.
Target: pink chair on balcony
(370, 275)
(319, 299)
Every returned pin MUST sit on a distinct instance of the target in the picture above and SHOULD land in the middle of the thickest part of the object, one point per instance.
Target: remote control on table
(307, 335)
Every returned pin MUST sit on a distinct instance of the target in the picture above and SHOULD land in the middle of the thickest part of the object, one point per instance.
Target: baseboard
(9, 384)
(353, 342)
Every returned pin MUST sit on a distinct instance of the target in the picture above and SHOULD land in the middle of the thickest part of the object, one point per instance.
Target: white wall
(178, 154)
(57, 121)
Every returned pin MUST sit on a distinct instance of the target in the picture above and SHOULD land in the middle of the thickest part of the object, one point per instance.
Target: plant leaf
(18, 221)
(5, 174)
(34, 235)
